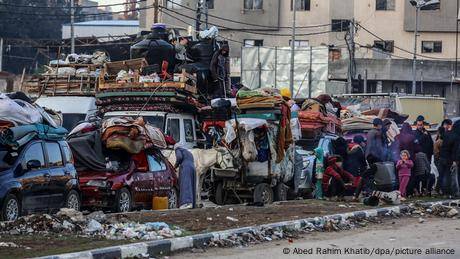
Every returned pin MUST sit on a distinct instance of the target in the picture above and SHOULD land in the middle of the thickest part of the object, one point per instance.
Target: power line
(77, 15)
(78, 7)
(252, 24)
(163, 9)
(404, 50)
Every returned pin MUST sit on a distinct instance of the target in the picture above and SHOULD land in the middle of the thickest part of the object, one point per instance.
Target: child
(421, 174)
(404, 167)
(319, 153)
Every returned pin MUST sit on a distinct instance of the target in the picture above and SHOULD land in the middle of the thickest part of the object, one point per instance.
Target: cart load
(133, 85)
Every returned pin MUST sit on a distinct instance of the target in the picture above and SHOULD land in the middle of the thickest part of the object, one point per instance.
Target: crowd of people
(423, 165)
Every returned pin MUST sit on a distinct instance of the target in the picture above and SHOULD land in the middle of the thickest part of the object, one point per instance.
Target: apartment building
(384, 37)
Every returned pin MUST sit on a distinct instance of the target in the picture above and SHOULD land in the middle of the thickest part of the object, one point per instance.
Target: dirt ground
(192, 221)
(214, 219)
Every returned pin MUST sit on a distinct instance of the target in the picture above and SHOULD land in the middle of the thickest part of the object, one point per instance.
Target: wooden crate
(107, 78)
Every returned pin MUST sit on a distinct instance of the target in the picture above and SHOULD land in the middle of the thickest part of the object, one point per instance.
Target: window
(54, 154)
(188, 127)
(67, 152)
(253, 4)
(301, 5)
(174, 4)
(431, 46)
(431, 7)
(253, 43)
(156, 164)
(387, 45)
(35, 152)
(385, 5)
(173, 129)
(300, 43)
(210, 4)
(340, 25)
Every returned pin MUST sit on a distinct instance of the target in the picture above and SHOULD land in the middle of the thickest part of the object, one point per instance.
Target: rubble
(71, 222)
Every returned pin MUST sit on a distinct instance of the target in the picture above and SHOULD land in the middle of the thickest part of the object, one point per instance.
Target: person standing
(437, 156)
(319, 171)
(375, 140)
(420, 175)
(423, 138)
(187, 177)
(404, 167)
(447, 153)
(455, 188)
(356, 162)
(405, 141)
(220, 71)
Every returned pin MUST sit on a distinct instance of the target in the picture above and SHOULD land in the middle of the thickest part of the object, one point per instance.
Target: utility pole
(414, 61)
(1, 54)
(155, 11)
(291, 79)
(352, 57)
(198, 16)
(456, 41)
(72, 29)
(206, 10)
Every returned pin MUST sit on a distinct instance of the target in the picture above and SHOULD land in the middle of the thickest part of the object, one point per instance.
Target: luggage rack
(62, 85)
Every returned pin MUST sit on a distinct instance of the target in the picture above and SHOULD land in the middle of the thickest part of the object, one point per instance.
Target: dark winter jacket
(421, 164)
(406, 141)
(425, 141)
(375, 144)
(356, 161)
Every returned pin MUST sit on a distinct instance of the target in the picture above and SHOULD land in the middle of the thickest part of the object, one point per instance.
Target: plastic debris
(232, 219)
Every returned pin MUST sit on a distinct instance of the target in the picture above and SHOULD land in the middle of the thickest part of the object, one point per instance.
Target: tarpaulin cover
(270, 67)
(87, 151)
(20, 135)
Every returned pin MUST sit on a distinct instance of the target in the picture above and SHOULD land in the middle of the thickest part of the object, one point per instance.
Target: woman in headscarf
(319, 171)
(405, 141)
(187, 177)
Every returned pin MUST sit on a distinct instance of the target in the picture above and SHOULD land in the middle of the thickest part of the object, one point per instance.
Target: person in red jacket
(335, 178)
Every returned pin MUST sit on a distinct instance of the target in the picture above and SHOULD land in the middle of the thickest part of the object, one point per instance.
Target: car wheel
(263, 194)
(73, 200)
(219, 195)
(124, 201)
(11, 209)
(281, 192)
(173, 199)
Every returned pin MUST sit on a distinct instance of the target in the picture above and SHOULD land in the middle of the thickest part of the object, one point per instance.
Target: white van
(74, 108)
(181, 127)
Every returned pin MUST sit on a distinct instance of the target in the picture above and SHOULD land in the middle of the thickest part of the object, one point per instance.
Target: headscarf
(406, 128)
(319, 153)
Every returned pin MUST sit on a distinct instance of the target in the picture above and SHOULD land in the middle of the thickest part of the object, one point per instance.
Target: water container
(159, 203)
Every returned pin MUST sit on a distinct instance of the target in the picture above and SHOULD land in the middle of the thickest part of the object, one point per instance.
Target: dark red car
(133, 184)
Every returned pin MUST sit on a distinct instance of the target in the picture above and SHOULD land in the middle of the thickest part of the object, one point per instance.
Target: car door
(35, 182)
(161, 179)
(58, 174)
(142, 187)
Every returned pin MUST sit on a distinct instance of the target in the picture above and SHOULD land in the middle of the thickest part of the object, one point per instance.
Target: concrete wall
(442, 20)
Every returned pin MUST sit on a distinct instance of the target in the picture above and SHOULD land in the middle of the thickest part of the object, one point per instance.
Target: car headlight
(98, 183)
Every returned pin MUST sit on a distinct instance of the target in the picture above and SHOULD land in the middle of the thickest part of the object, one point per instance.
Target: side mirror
(33, 164)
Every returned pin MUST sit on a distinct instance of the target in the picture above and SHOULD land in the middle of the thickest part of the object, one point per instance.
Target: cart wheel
(263, 194)
(281, 191)
(220, 194)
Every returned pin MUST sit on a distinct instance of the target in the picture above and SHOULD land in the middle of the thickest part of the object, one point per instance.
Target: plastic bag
(434, 169)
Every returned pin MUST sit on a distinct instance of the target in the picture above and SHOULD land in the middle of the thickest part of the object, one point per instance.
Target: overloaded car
(39, 177)
(113, 176)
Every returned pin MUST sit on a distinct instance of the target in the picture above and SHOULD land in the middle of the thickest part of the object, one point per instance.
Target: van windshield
(156, 121)
(72, 119)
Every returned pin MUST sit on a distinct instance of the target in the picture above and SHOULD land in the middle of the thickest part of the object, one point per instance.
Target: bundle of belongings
(126, 87)
(260, 149)
(267, 104)
(320, 115)
(21, 121)
(120, 137)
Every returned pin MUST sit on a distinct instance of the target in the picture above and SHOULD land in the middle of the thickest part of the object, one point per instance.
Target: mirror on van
(33, 164)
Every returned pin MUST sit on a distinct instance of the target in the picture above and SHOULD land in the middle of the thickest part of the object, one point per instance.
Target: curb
(166, 247)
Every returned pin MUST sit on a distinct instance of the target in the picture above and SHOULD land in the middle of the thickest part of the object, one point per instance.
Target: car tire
(73, 200)
(123, 201)
(281, 192)
(11, 209)
(263, 194)
(219, 195)
(173, 199)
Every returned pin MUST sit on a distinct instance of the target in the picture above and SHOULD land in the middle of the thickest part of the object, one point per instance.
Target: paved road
(406, 234)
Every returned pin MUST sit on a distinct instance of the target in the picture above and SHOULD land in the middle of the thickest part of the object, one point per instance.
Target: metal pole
(309, 72)
(72, 29)
(155, 11)
(456, 41)
(365, 81)
(291, 79)
(421, 81)
(414, 62)
(1, 54)
(206, 10)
